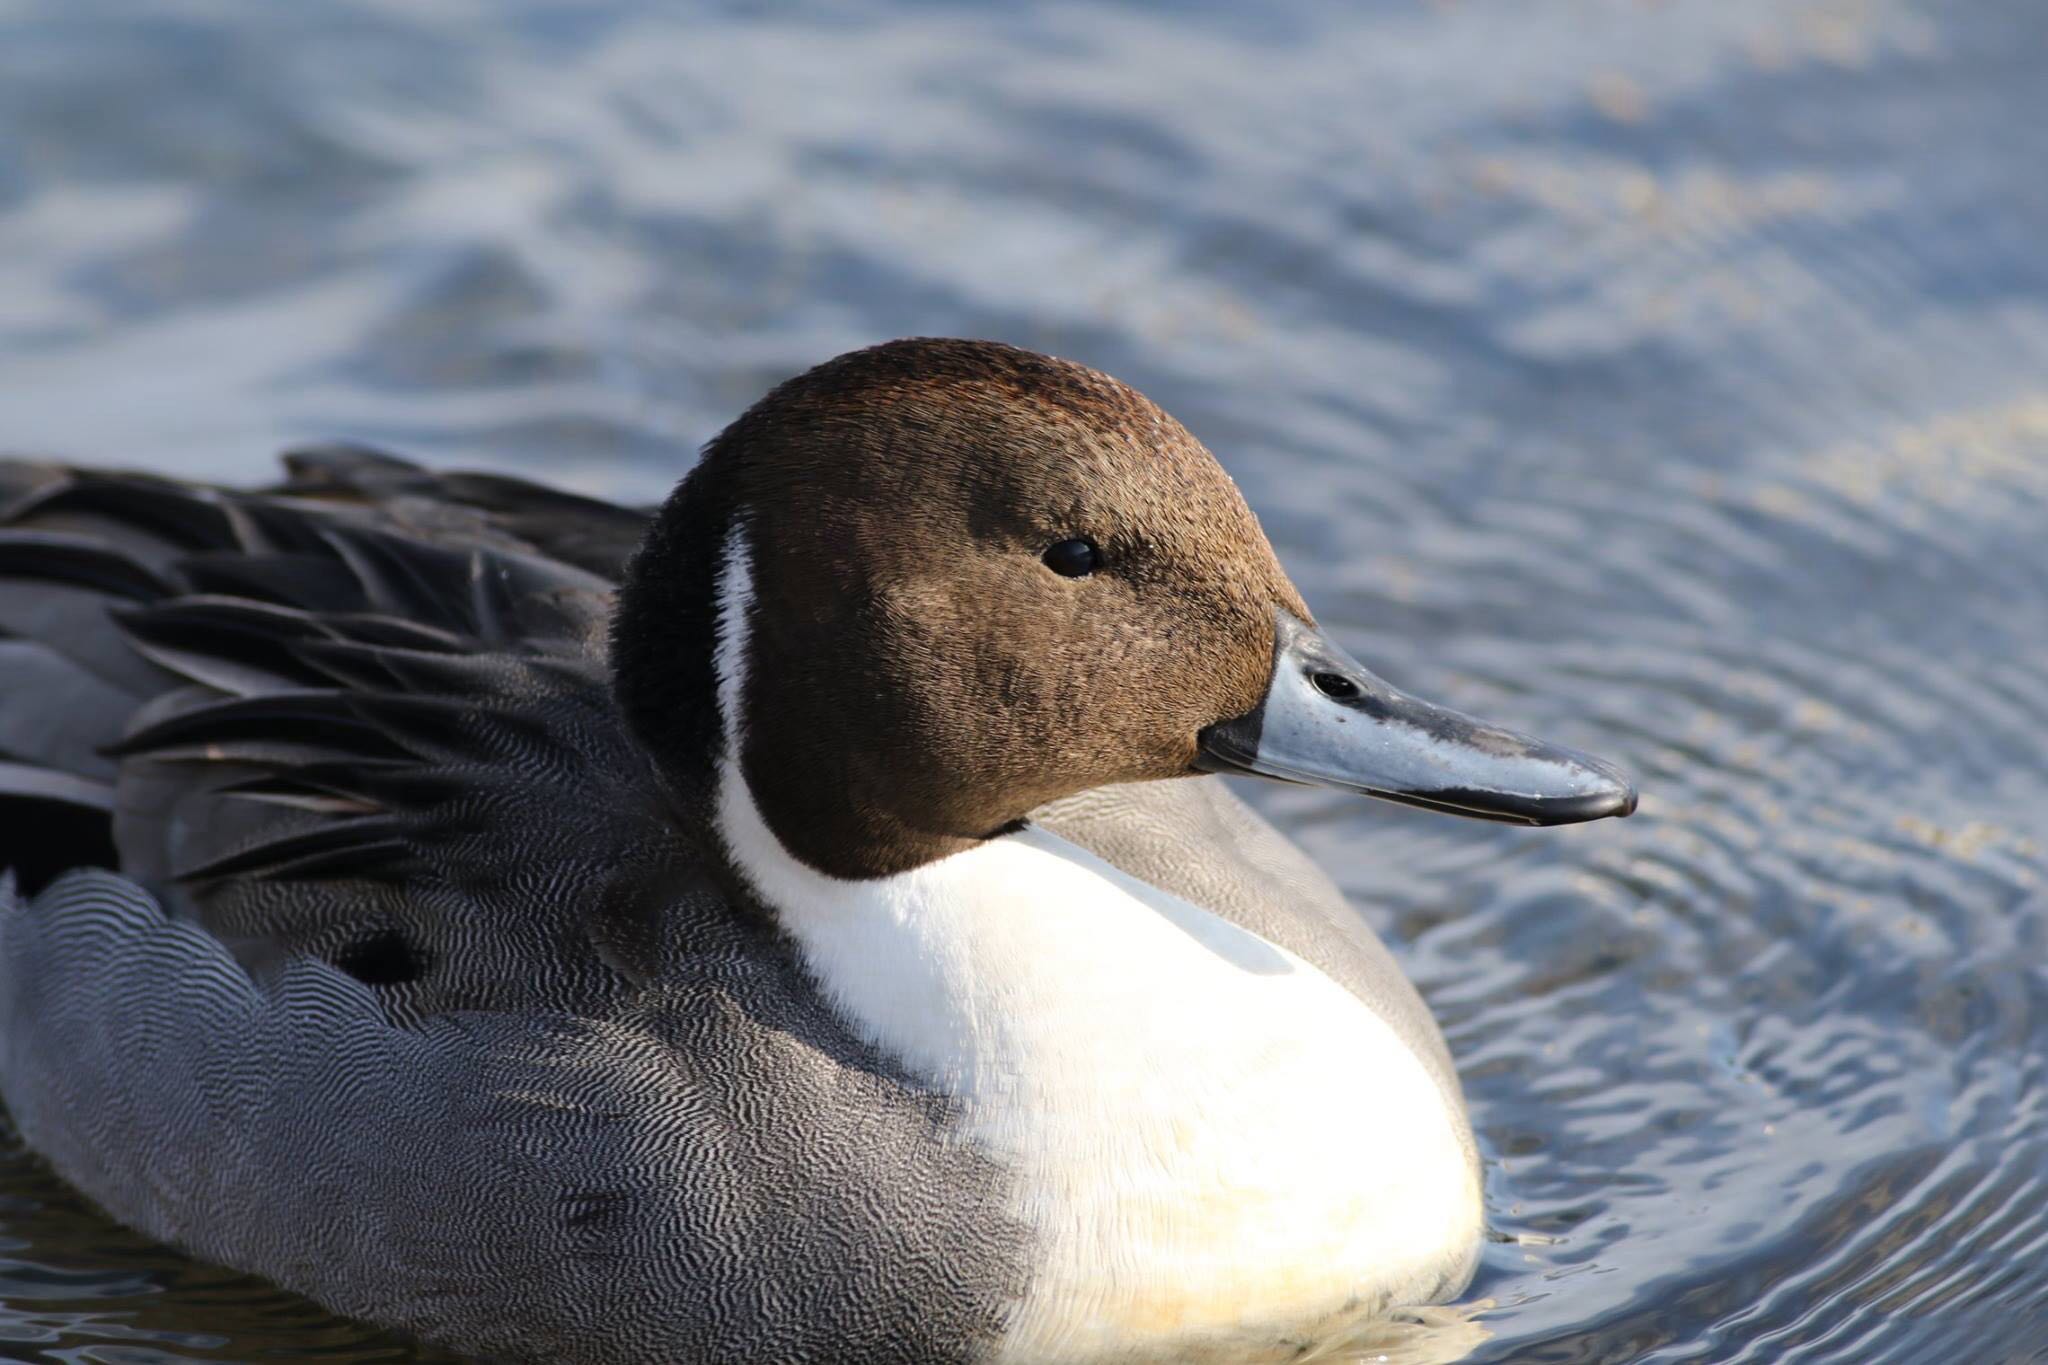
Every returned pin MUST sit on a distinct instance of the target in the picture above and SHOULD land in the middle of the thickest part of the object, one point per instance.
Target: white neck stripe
(733, 594)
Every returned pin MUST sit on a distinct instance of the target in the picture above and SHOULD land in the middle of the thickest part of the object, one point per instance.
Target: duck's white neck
(1215, 1143)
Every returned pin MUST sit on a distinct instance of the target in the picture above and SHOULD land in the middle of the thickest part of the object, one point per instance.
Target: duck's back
(343, 722)
(412, 991)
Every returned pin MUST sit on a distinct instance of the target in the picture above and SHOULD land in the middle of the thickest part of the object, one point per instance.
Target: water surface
(1670, 379)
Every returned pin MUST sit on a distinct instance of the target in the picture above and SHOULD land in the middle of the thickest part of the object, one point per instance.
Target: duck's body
(471, 976)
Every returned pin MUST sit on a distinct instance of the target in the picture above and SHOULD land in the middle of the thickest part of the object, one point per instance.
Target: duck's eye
(1072, 558)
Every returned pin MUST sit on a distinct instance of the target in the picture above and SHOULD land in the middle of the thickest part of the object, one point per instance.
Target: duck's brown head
(954, 580)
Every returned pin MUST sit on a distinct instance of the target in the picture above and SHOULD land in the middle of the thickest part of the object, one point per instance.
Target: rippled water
(1667, 378)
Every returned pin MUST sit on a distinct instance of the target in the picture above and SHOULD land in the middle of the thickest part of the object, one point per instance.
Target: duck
(803, 921)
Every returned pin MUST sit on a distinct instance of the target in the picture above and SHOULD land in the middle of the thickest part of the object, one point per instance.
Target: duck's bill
(1328, 721)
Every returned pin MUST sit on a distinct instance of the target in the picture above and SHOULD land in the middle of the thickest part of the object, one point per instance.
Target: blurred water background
(1670, 379)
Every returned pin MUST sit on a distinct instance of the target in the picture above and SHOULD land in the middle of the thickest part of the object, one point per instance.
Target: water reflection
(1662, 378)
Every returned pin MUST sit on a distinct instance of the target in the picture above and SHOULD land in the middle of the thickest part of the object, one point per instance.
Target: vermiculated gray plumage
(406, 760)
(412, 986)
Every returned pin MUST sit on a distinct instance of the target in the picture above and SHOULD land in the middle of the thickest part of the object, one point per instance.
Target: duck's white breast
(1220, 1149)
(1217, 1144)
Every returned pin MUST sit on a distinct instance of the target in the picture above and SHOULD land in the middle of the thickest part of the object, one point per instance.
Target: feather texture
(449, 1022)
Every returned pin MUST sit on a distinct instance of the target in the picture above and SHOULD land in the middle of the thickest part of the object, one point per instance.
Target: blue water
(1670, 379)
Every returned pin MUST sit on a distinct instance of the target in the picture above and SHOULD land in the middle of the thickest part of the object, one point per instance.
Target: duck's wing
(347, 720)
(589, 533)
(369, 1006)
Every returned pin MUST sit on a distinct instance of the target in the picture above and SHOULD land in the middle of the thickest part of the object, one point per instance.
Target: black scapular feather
(60, 557)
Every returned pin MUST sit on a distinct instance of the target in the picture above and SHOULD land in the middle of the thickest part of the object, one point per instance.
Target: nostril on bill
(1335, 686)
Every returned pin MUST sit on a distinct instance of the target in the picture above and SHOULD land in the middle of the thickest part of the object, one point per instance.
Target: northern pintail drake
(779, 943)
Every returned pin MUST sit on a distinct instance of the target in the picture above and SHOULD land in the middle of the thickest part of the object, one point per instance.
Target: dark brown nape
(918, 678)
